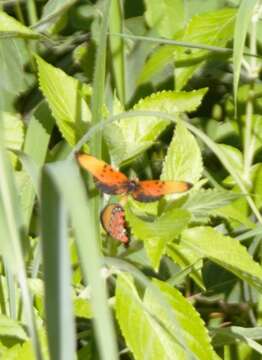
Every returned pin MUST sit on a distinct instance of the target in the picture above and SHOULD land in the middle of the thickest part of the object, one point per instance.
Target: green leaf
(13, 130)
(187, 258)
(130, 137)
(158, 233)
(146, 320)
(11, 328)
(13, 59)
(233, 213)
(25, 351)
(166, 16)
(241, 28)
(11, 27)
(234, 334)
(66, 98)
(193, 328)
(183, 160)
(157, 62)
(220, 25)
(201, 202)
(225, 251)
(82, 308)
(52, 11)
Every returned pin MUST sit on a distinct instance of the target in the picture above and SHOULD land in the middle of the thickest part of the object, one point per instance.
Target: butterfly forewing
(153, 190)
(106, 178)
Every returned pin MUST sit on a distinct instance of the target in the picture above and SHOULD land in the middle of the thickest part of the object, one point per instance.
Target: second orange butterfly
(115, 182)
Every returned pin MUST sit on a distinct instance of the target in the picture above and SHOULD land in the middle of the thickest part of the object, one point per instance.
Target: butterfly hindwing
(114, 223)
(106, 178)
(153, 190)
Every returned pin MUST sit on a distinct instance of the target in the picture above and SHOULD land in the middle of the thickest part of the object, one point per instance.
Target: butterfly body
(114, 182)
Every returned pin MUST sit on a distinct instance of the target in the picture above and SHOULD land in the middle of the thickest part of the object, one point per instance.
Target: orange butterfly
(113, 220)
(115, 182)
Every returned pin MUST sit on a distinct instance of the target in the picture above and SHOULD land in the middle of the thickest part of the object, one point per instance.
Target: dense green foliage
(166, 90)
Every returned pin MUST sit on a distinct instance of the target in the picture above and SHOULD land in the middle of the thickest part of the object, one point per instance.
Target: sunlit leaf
(158, 233)
(147, 329)
(183, 161)
(10, 26)
(66, 98)
(166, 16)
(130, 137)
(225, 251)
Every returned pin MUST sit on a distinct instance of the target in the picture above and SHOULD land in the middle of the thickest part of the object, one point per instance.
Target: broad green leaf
(241, 28)
(193, 328)
(10, 26)
(158, 233)
(185, 257)
(66, 98)
(14, 79)
(52, 10)
(199, 6)
(183, 160)
(11, 328)
(157, 62)
(14, 131)
(82, 308)
(225, 251)
(143, 334)
(233, 212)
(210, 29)
(25, 350)
(150, 333)
(234, 334)
(213, 29)
(166, 16)
(130, 137)
(202, 201)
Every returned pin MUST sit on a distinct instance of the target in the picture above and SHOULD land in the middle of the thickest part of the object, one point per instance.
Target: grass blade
(117, 48)
(241, 27)
(59, 309)
(14, 227)
(87, 245)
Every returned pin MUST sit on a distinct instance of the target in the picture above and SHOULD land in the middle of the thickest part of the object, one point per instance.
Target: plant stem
(31, 9)
(253, 74)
